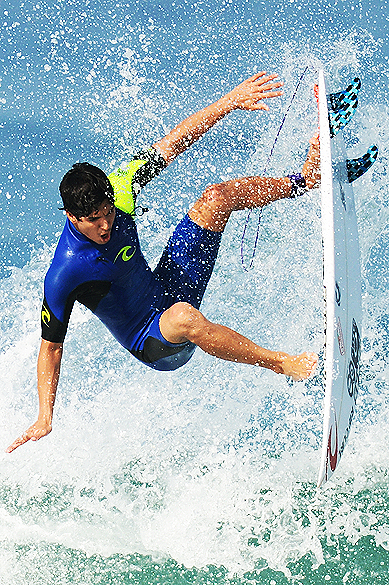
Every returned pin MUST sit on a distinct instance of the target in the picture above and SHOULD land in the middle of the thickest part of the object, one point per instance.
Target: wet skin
(97, 226)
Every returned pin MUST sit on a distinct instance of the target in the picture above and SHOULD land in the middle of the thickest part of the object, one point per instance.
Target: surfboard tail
(341, 105)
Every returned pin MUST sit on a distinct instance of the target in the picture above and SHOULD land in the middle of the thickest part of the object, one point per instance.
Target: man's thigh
(187, 262)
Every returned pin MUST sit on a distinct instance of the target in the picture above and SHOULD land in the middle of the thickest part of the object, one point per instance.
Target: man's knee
(183, 319)
(214, 195)
(213, 208)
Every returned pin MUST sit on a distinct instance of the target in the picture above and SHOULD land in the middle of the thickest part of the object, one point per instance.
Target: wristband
(299, 186)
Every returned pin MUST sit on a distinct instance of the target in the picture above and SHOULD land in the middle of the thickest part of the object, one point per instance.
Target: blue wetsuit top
(114, 281)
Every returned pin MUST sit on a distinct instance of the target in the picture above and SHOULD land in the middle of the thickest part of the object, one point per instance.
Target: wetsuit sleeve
(53, 329)
(88, 293)
(128, 180)
(58, 301)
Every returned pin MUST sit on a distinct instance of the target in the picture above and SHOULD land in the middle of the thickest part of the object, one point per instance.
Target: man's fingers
(270, 94)
(264, 89)
(259, 81)
(257, 76)
(20, 441)
(34, 433)
(263, 77)
(249, 94)
(269, 91)
(269, 86)
(268, 82)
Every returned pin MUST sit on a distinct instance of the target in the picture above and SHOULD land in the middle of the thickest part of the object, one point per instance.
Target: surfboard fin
(357, 167)
(342, 105)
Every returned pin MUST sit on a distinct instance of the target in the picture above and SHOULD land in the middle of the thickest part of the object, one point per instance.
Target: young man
(155, 315)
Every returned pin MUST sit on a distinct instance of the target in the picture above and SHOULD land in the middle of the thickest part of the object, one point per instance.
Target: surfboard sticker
(342, 279)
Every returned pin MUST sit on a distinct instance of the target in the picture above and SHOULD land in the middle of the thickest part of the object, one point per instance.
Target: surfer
(155, 314)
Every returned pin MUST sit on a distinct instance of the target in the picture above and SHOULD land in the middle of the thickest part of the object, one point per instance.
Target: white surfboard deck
(342, 290)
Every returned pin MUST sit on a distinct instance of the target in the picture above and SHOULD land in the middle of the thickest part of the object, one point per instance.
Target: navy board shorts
(184, 271)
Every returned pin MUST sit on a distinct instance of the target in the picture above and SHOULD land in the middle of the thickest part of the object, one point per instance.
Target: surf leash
(246, 269)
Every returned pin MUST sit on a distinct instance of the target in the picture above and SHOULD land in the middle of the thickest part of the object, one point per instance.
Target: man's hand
(49, 362)
(249, 94)
(33, 433)
(299, 367)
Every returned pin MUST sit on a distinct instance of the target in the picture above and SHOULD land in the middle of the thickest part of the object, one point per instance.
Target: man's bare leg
(216, 204)
(182, 322)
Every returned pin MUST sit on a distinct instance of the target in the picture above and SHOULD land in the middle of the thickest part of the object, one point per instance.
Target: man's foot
(299, 367)
(311, 167)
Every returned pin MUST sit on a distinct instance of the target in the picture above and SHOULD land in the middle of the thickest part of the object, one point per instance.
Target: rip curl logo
(353, 366)
(46, 316)
(126, 253)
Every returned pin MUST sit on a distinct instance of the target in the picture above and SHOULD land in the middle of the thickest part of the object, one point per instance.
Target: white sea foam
(215, 463)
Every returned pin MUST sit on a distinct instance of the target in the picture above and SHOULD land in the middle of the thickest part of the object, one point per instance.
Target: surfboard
(341, 272)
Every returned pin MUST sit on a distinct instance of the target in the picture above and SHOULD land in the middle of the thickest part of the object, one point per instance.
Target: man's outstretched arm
(49, 363)
(249, 95)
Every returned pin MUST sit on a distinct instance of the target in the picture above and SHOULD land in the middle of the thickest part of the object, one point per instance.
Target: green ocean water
(356, 564)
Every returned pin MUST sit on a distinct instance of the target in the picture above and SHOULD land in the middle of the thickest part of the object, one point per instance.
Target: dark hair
(84, 188)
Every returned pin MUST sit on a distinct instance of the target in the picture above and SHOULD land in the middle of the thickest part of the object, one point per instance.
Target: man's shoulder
(73, 246)
(72, 261)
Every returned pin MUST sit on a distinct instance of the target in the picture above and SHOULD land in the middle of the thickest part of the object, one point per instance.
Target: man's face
(97, 226)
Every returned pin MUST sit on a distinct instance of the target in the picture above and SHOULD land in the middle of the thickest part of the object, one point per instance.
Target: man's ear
(71, 217)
